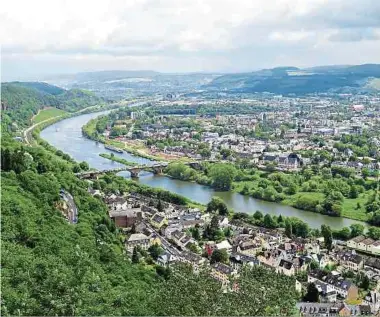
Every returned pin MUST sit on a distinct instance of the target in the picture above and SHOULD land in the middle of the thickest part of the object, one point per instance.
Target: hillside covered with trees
(51, 267)
(292, 80)
(21, 101)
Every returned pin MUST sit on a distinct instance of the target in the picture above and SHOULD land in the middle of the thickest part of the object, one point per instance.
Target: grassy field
(47, 114)
(310, 195)
(349, 206)
(350, 209)
(117, 159)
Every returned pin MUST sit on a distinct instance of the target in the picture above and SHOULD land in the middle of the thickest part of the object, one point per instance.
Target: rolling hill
(292, 80)
(20, 101)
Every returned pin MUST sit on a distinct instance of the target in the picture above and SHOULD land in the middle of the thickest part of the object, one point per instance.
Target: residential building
(222, 273)
(327, 293)
(365, 245)
(344, 288)
(375, 248)
(238, 260)
(350, 261)
(353, 243)
(158, 220)
(249, 247)
(167, 259)
(138, 239)
(125, 218)
(193, 259)
(286, 267)
(332, 309)
(224, 245)
(373, 300)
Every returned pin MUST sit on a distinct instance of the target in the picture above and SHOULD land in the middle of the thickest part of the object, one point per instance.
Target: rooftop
(137, 237)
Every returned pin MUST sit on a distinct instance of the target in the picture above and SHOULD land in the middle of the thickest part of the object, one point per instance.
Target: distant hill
(21, 100)
(101, 76)
(292, 80)
(41, 87)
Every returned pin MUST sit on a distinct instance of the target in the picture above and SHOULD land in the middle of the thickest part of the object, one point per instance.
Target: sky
(40, 38)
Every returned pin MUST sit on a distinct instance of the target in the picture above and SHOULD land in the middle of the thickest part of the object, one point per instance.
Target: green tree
(217, 204)
(219, 256)
(327, 235)
(227, 232)
(205, 153)
(155, 251)
(225, 153)
(163, 271)
(374, 233)
(269, 222)
(366, 173)
(160, 207)
(222, 176)
(354, 192)
(258, 215)
(343, 233)
(357, 229)
(288, 228)
(312, 295)
(84, 166)
(195, 233)
(365, 282)
(76, 168)
(135, 256)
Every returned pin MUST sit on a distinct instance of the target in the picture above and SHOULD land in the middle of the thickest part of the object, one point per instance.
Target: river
(66, 135)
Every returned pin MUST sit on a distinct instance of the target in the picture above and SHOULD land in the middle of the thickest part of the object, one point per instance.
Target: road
(73, 210)
(165, 243)
(27, 131)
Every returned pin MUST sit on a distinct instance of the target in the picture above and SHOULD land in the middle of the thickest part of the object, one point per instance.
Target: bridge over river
(134, 170)
(156, 168)
(71, 141)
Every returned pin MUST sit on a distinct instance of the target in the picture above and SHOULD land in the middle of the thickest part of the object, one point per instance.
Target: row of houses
(246, 246)
(363, 244)
(333, 284)
(332, 309)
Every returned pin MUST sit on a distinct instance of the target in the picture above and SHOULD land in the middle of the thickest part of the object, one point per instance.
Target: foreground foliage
(50, 267)
(21, 101)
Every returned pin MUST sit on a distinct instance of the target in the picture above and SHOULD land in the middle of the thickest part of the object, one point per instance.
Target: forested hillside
(20, 101)
(51, 267)
(291, 80)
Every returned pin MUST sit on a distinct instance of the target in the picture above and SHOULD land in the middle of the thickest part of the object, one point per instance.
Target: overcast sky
(41, 37)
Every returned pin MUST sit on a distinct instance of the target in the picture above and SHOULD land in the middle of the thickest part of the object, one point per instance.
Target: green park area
(46, 114)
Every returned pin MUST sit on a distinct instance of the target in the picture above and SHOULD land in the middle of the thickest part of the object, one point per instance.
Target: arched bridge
(135, 170)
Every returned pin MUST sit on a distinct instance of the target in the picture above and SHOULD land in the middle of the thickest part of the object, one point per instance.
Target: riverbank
(46, 117)
(71, 140)
(116, 159)
(90, 131)
(301, 198)
(285, 189)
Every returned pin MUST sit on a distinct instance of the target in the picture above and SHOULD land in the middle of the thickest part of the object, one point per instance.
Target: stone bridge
(135, 170)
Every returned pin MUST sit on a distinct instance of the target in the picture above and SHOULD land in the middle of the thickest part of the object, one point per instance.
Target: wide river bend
(66, 135)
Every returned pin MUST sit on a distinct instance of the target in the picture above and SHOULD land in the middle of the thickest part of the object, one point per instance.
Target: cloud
(224, 34)
(355, 35)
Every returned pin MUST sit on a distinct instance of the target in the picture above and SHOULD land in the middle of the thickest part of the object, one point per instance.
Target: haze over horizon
(43, 38)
